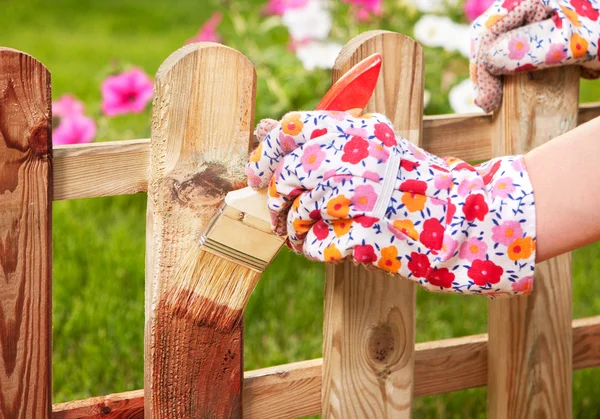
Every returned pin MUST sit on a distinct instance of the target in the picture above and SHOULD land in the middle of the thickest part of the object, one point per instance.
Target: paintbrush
(217, 276)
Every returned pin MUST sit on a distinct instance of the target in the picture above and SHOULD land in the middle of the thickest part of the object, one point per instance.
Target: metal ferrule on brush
(241, 231)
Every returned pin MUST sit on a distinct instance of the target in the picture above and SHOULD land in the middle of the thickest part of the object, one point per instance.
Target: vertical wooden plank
(201, 128)
(530, 338)
(369, 331)
(25, 237)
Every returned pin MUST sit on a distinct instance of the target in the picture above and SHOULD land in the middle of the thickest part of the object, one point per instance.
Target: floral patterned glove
(344, 187)
(526, 35)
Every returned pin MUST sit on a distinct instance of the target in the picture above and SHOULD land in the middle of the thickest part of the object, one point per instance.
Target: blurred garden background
(96, 50)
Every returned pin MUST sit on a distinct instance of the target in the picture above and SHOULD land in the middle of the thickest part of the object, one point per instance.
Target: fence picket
(367, 310)
(201, 130)
(530, 338)
(25, 237)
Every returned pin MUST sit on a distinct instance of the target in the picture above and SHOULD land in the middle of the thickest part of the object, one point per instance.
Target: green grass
(98, 297)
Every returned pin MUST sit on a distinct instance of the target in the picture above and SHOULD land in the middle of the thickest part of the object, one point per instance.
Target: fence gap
(202, 124)
(25, 237)
(530, 339)
(364, 307)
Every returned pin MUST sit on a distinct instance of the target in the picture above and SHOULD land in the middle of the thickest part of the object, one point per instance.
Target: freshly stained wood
(201, 128)
(25, 237)
(128, 405)
(100, 169)
(369, 328)
(119, 167)
(530, 352)
(294, 390)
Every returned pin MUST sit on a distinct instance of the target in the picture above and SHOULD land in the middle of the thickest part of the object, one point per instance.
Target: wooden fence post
(530, 338)
(202, 125)
(369, 331)
(25, 237)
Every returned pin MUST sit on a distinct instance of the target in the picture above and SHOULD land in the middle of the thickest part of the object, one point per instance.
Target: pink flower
(128, 92)
(364, 8)
(518, 47)
(442, 181)
(523, 285)
(378, 151)
(475, 8)
(473, 249)
(74, 130)
(287, 143)
(67, 106)
(364, 198)
(359, 132)
(329, 174)
(503, 187)
(449, 246)
(556, 54)
(519, 164)
(277, 7)
(208, 31)
(253, 180)
(371, 176)
(507, 232)
(468, 186)
(312, 157)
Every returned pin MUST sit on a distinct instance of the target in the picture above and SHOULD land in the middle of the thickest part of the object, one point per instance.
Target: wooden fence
(201, 133)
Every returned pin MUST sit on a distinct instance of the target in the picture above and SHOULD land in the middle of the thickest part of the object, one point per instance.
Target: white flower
(426, 98)
(440, 31)
(462, 98)
(432, 30)
(318, 54)
(459, 39)
(313, 21)
(429, 6)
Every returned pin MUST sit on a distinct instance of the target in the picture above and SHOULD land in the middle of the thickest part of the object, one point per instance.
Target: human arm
(565, 174)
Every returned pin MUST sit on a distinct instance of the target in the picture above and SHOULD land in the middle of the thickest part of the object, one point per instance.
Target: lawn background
(98, 244)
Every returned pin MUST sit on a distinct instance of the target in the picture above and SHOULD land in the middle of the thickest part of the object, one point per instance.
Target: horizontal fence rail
(120, 167)
(294, 390)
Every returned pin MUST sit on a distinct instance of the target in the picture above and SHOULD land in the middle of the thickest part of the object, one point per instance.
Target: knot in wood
(382, 344)
(205, 188)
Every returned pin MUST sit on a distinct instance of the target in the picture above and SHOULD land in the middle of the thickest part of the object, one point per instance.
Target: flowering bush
(293, 44)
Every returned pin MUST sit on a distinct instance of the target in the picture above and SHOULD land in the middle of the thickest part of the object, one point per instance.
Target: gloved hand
(344, 187)
(526, 35)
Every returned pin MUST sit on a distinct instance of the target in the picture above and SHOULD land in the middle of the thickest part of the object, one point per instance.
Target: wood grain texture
(285, 391)
(127, 405)
(119, 167)
(25, 237)
(201, 130)
(294, 390)
(530, 352)
(369, 327)
(100, 169)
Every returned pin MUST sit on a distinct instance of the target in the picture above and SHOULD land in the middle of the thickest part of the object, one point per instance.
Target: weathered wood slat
(201, 129)
(369, 325)
(101, 169)
(119, 167)
(530, 336)
(25, 237)
(294, 390)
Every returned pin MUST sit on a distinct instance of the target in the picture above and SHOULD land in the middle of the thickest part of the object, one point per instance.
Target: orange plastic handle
(355, 88)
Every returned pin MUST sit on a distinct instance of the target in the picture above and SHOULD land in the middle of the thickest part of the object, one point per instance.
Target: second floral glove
(343, 187)
(526, 35)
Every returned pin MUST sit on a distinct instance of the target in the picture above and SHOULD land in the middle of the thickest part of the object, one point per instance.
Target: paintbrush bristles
(211, 290)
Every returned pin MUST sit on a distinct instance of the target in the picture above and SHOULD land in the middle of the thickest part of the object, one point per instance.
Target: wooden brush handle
(250, 202)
